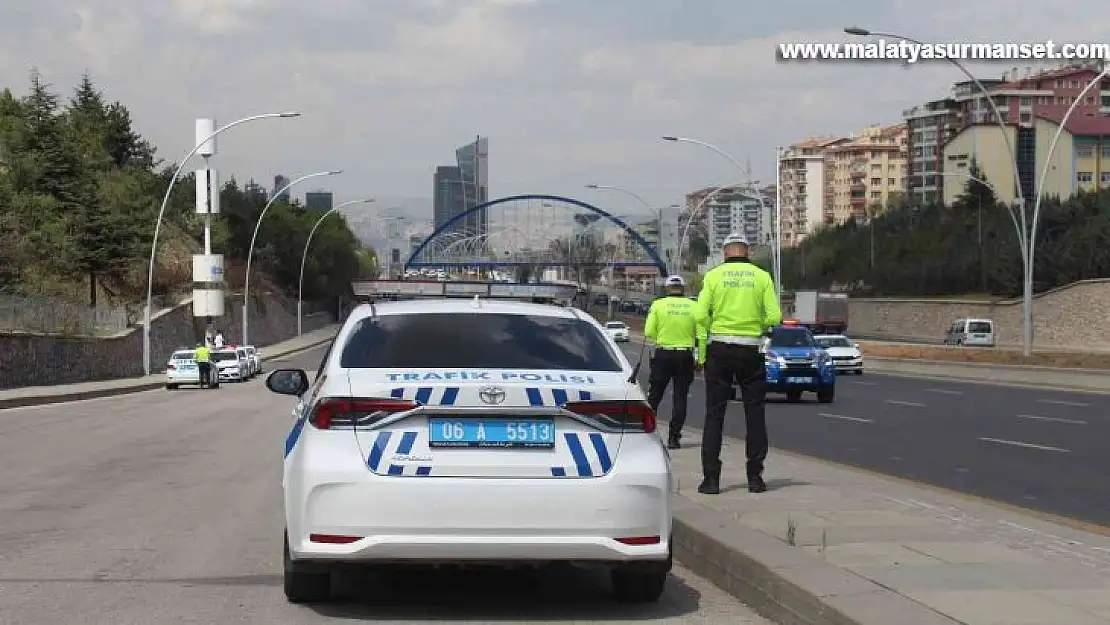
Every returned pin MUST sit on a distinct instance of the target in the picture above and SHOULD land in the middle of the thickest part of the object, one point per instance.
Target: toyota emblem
(491, 395)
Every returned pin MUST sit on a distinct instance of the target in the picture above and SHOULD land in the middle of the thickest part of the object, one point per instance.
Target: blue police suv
(797, 364)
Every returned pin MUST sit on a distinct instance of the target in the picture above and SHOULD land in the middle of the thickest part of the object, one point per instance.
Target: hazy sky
(569, 91)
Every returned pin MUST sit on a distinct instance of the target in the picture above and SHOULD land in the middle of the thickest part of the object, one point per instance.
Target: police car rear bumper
(466, 520)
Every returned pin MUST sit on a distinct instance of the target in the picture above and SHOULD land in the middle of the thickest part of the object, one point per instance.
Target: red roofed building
(1021, 99)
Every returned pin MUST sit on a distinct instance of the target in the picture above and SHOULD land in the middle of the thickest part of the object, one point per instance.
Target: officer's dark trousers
(205, 369)
(724, 365)
(671, 365)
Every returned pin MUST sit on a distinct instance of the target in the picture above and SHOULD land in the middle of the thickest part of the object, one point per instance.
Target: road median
(41, 395)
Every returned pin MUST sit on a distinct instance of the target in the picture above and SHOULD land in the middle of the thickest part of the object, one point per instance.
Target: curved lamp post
(776, 253)
(250, 251)
(651, 211)
(304, 256)
(162, 211)
(1025, 235)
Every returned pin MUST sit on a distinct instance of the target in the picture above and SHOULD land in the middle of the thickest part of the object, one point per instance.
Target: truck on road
(822, 313)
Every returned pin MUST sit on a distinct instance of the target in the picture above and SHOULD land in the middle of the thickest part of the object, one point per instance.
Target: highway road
(165, 507)
(1037, 449)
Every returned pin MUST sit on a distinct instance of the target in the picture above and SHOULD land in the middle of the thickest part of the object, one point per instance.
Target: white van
(971, 332)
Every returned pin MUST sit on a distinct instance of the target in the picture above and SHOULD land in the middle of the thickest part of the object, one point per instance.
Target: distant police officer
(671, 323)
(737, 304)
(203, 356)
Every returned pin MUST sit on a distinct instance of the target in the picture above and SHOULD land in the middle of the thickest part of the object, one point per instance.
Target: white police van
(473, 432)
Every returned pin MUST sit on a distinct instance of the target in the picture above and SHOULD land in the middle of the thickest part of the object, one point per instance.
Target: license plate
(187, 367)
(491, 433)
(799, 380)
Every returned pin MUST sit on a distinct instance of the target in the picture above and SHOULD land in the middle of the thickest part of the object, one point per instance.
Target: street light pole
(642, 201)
(304, 256)
(162, 211)
(1025, 235)
(250, 251)
(743, 170)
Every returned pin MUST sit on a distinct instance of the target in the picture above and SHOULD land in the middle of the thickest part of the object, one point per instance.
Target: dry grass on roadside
(1002, 356)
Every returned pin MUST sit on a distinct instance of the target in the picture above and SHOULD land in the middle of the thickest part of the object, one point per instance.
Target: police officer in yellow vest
(671, 323)
(203, 356)
(737, 304)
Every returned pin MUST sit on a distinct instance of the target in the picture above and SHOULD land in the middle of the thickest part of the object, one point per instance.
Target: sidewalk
(37, 395)
(829, 544)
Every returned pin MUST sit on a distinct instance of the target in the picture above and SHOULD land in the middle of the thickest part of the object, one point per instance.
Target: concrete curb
(782, 583)
(138, 387)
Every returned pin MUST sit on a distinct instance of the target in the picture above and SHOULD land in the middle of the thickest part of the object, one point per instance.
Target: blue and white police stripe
(590, 454)
(401, 443)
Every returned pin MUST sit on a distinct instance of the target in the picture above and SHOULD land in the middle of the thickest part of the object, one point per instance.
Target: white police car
(182, 369)
(473, 432)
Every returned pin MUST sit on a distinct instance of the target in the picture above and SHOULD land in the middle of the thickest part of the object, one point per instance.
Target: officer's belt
(674, 349)
(753, 341)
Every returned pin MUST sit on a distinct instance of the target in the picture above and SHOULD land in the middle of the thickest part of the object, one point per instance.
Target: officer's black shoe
(710, 486)
(757, 485)
(673, 441)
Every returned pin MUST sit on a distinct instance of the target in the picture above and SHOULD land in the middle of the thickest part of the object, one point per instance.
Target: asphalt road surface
(165, 507)
(1038, 449)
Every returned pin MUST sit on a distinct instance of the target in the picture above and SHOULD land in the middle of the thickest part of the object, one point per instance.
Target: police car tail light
(338, 412)
(629, 415)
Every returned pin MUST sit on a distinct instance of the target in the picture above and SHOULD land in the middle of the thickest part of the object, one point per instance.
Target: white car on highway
(182, 369)
(231, 364)
(845, 353)
(617, 330)
(473, 432)
(255, 357)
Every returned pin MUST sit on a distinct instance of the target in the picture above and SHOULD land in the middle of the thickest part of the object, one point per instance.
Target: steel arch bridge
(448, 248)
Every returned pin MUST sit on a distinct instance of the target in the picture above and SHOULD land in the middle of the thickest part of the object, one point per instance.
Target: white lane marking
(845, 418)
(944, 391)
(862, 383)
(1034, 417)
(1064, 402)
(1002, 441)
(899, 402)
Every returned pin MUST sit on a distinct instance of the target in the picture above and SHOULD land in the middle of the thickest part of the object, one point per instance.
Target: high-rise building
(319, 201)
(461, 187)
(447, 199)
(734, 209)
(280, 182)
(472, 160)
(864, 173)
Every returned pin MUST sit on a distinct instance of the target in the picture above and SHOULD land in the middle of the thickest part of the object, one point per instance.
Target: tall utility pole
(208, 268)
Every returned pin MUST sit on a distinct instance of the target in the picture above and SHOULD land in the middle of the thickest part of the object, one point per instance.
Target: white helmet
(735, 238)
(674, 281)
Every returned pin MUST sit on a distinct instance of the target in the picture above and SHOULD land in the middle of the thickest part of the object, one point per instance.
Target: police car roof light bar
(332, 412)
(635, 413)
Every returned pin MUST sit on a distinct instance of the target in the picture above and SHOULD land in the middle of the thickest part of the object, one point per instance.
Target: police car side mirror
(288, 382)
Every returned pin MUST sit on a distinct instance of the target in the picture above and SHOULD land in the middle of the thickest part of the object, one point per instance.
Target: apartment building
(802, 185)
(1021, 99)
(864, 172)
(1081, 161)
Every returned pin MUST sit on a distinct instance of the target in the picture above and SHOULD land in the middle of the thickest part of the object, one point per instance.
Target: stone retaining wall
(37, 360)
(1074, 316)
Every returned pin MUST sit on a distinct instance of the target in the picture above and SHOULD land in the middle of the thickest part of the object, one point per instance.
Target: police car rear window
(477, 341)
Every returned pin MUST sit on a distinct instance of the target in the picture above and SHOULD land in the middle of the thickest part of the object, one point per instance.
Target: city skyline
(574, 92)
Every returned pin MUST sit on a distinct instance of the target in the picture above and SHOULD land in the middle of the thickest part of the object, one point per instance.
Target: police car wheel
(632, 585)
(301, 587)
(826, 396)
